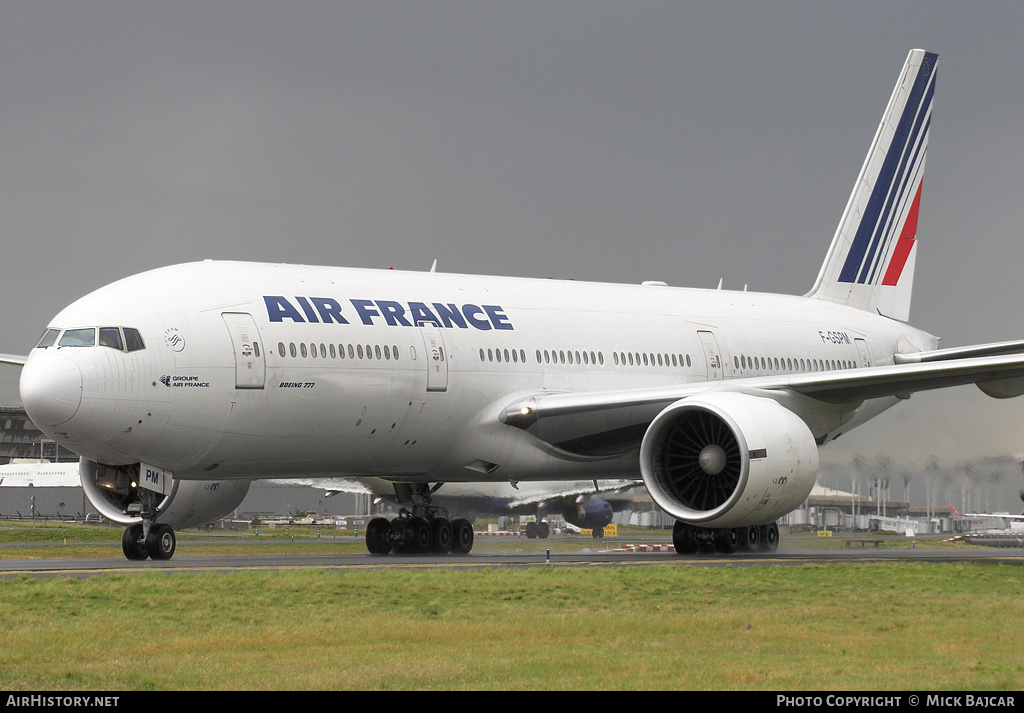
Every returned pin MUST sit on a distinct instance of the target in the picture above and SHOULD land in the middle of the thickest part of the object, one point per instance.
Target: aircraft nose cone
(51, 388)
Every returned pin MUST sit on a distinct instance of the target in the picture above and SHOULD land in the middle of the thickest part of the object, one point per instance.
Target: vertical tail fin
(870, 264)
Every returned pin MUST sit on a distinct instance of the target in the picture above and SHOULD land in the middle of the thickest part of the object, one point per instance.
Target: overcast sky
(612, 141)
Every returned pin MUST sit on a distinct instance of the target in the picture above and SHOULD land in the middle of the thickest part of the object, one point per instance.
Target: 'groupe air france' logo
(184, 381)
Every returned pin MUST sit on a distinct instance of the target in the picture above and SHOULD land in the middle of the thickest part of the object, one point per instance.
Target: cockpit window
(111, 337)
(78, 338)
(133, 339)
(48, 338)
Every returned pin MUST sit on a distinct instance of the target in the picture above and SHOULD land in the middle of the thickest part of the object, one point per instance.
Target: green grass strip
(892, 626)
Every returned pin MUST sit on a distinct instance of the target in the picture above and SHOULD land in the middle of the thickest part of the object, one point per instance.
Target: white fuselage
(260, 370)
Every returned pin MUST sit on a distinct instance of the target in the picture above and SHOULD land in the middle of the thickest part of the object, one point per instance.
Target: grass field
(893, 626)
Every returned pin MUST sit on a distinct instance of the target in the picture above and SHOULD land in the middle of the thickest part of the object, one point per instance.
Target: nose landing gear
(148, 540)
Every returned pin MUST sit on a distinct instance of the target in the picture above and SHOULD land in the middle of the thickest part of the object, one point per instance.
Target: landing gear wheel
(531, 530)
(754, 538)
(462, 536)
(132, 545)
(727, 540)
(543, 530)
(417, 535)
(441, 535)
(683, 539)
(378, 541)
(597, 533)
(770, 539)
(160, 542)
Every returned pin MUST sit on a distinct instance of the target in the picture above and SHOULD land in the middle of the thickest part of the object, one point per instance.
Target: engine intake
(728, 459)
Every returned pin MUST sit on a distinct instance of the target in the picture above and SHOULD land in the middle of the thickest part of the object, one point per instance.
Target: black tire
(531, 530)
(727, 540)
(770, 538)
(417, 535)
(754, 538)
(441, 535)
(683, 539)
(161, 542)
(462, 536)
(378, 540)
(543, 530)
(131, 543)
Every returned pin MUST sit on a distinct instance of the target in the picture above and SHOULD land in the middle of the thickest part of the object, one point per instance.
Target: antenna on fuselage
(433, 268)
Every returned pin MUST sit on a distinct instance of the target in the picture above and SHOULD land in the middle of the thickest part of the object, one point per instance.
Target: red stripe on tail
(904, 244)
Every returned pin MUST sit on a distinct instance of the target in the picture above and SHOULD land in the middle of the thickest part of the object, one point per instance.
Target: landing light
(525, 411)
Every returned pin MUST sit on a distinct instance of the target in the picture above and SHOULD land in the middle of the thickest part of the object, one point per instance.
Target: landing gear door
(250, 368)
(437, 357)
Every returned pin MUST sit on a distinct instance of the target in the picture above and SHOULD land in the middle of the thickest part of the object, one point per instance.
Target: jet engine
(728, 460)
(114, 492)
(594, 513)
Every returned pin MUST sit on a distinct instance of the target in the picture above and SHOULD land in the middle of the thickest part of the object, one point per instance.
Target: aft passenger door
(711, 355)
(250, 368)
(862, 349)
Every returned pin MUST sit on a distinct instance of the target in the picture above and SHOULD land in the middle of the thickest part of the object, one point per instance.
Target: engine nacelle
(727, 459)
(113, 490)
(594, 513)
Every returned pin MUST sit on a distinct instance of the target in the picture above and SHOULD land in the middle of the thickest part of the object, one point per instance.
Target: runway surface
(87, 567)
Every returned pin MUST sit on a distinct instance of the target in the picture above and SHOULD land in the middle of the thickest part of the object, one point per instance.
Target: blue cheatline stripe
(907, 190)
(904, 173)
(906, 134)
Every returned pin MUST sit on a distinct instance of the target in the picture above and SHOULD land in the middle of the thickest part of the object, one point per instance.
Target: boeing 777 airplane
(178, 385)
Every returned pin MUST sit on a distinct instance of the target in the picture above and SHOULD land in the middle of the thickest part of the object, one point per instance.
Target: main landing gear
(422, 530)
(536, 530)
(410, 534)
(689, 539)
(148, 540)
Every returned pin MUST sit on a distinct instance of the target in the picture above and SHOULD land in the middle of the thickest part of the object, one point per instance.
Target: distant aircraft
(585, 504)
(1011, 523)
(39, 474)
(177, 385)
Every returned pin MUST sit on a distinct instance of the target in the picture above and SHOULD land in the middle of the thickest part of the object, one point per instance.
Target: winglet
(870, 264)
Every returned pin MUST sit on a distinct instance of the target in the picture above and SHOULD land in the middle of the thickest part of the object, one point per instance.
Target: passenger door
(250, 368)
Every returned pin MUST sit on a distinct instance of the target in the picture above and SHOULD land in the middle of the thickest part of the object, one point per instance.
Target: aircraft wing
(332, 486)
(12, 359)
(573, 492)
(616, 420)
